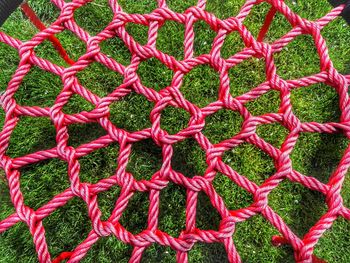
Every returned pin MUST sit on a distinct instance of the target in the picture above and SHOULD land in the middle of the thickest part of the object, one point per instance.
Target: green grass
(315, 154)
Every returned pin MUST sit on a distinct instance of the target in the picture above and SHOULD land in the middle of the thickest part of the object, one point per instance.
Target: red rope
(28, 11)
(171, 95)
(268, 20)
(62, 256)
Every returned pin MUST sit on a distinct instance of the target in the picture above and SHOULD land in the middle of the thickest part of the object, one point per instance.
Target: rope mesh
(171, 96)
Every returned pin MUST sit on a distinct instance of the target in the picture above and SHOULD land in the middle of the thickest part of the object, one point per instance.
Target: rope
(40, 25)
(268, 20)
(303, 247)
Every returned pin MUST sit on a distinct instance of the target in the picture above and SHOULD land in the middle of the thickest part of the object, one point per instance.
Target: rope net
(171, 96)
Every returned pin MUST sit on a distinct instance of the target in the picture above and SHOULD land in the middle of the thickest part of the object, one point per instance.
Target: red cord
(268, 20)
(28, 11)
(61, 257)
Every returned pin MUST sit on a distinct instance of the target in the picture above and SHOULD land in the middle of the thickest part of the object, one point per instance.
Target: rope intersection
(172, 96)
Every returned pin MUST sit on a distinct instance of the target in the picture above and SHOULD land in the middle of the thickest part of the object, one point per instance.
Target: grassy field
(315, 154)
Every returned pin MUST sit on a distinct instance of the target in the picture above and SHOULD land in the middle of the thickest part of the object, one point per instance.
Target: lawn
(315, 154)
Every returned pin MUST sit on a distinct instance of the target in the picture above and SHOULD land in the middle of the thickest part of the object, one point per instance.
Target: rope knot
(171, 96)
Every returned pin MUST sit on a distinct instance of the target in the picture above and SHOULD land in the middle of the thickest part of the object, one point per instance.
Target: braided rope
(172, 96)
